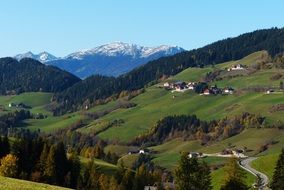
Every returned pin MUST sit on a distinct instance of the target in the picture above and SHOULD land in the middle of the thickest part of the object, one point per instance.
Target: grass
(157, 103)
(217, 177)
(12, 184)
(252, 139)
(266, 164)
(128, 160)
(167, 154)
(119, 150)
(103, 166)
(51, 124)
(36, 100)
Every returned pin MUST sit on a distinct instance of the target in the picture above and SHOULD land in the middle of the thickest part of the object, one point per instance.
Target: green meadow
(13, 184)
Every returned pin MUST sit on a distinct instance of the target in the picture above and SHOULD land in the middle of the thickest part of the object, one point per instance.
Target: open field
(13, 184)
(266, 164)
(217, 177)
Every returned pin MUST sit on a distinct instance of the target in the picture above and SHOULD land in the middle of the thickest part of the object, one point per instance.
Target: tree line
(40, 160)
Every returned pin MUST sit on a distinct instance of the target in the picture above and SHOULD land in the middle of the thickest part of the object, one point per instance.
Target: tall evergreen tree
(235, 176)
(41, 165)
(61, 163)
(50, 168)
(4, 146)
(75, 167)
(192, 175)
(278, 176)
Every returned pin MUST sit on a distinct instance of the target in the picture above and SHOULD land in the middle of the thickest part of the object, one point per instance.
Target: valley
(118, 125)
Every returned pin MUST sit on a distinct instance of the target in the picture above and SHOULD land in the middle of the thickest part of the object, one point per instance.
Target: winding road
(245, 164)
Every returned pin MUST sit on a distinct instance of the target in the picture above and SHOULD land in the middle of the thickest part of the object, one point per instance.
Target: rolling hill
(123, 118)
(222, 51)
(157, 102)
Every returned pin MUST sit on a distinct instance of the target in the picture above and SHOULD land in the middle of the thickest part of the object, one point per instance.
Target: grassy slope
(51, 123)
(103, 166)
(168, 153)
(217, 177)
(36, 100)
(12, 184)
(157, 103)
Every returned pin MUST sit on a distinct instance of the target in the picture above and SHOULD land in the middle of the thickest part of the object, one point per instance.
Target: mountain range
(111, 59)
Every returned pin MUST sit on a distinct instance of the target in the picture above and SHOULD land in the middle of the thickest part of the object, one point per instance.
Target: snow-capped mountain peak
(124, 49)
(42, 57)
(45, 56)
(111, 59)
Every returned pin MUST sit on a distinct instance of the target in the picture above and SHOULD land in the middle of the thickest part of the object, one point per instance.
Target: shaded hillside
(29, 75)
(271, 40)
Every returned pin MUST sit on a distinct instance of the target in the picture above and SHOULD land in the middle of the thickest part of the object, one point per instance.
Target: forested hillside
(29, 75)
(96, 87)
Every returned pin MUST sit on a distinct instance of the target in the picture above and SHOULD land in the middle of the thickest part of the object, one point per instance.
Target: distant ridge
(111, 59)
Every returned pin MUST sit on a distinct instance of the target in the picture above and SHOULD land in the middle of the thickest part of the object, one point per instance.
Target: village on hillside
(182, 86)
(203, 88)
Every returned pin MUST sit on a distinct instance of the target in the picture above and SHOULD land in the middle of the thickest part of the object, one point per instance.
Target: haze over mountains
(111, 59)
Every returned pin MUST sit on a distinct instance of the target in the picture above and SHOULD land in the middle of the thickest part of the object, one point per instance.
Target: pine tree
(278, 176)
(42, 160)
(61, 163)
(191, 175)
(50, 167)
(127, 180)
(235, 176)
(5, 146)
(75, 167)
(141, 178)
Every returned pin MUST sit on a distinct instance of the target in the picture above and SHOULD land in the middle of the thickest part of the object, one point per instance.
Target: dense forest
(98, 87)
(40, 160)
(29, 75)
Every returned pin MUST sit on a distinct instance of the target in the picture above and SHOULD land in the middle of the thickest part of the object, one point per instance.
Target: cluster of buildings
(239, 153)
(180, 86)
(214, 90)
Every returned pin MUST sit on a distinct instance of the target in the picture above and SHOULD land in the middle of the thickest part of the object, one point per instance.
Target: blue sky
(64, 26)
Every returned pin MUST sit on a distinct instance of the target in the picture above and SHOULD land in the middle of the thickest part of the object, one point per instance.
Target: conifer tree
(75, 167)
(50, 167)
(141, 178)
(235, 176)
(5, 146)
(192, 175)
(61, 163)
(278, 176)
